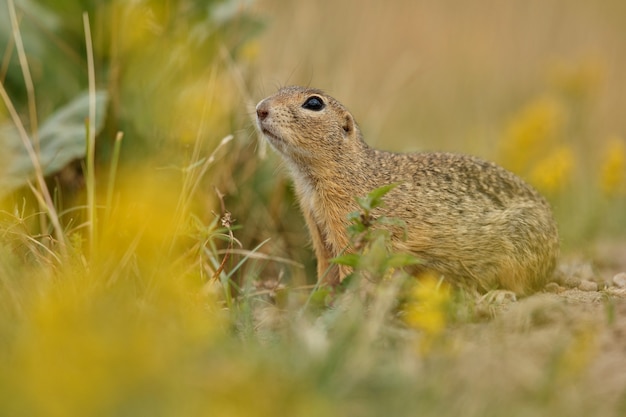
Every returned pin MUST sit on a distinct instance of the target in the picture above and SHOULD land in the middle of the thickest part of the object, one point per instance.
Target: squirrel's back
(470, 219)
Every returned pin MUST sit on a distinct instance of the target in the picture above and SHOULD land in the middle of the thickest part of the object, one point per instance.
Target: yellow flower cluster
(613, 168)
(172, 85)
(532, 129)
(532, 144)
(550, 173)
(427, 309)
(85, 348)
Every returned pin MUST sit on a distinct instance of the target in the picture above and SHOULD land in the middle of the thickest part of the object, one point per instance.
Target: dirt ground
(598, 318)
(594, 319)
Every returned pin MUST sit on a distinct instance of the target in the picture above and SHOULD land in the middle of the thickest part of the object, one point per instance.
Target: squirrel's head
(306, 123)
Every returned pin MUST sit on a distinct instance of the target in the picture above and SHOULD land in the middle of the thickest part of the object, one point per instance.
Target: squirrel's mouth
(271, 136)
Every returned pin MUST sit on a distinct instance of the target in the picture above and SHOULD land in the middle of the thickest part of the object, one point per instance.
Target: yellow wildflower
(427, 308)
(550, 174)
(613, 174)
(138, 23)
(86, 348)
(578, 354)
(192, 113)
(534, 128)
(250, 51)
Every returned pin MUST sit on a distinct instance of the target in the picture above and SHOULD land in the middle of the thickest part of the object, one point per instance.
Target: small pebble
(586, 285)
(571, 282)
(619, 280)
(553, 287)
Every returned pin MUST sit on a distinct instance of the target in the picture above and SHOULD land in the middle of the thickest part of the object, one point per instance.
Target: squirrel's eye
(314, 103)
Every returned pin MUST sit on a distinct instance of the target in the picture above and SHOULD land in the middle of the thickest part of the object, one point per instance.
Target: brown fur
(469, 220)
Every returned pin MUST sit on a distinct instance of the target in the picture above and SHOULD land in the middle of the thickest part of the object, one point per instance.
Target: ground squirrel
(467, 219)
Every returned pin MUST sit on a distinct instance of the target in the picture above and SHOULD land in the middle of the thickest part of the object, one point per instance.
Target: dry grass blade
(32, 147)
(91, 138)
(113, 173)
(28, 79)
(262, 256)
(43, 194)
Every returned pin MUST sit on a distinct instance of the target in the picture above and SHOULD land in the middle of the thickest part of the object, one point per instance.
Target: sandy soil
(592, 320)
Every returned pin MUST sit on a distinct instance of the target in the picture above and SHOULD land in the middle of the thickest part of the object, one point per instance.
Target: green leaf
(347, 281)
(349, 259)
(356, 229)
(375, 197)
(377, 194)
(355, 216)
(62, 139)
(319, 297)
(399, 260)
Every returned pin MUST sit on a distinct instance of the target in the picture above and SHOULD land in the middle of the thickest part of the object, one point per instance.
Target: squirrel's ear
(348, 123)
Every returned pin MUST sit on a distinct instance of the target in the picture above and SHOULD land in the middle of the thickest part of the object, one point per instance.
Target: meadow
(152, 257)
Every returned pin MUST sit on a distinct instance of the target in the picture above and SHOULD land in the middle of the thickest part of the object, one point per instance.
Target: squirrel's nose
(261, 111)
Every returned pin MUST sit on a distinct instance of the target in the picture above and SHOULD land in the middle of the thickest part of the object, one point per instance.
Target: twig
(227, 221)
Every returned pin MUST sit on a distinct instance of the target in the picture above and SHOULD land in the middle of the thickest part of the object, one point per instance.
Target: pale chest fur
(307, 195)
(325, 215)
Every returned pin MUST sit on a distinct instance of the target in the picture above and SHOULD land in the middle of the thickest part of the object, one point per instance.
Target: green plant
(371, 254)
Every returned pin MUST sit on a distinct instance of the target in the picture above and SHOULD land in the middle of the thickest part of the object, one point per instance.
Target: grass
(155, 294)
